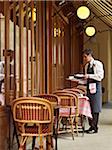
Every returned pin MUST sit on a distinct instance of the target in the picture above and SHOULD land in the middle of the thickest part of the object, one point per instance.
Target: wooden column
(27, 49)
(21, 43)
(49, 31)
(6, 52)
(32, 48)
(57, 54)
(67, 55)
(14, 20)
(41, 46)
(37, 50)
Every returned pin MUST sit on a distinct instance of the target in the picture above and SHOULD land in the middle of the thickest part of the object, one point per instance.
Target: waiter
(94, 73)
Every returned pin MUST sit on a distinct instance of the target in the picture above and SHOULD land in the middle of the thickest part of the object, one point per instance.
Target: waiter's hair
(88, 51)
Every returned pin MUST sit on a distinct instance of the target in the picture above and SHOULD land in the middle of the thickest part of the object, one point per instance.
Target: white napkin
(92, 88)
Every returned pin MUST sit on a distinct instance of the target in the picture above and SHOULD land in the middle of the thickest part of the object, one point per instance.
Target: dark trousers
(1, 85)
(94, 121)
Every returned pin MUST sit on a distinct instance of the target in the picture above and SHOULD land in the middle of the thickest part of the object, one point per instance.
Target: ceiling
(102, 9)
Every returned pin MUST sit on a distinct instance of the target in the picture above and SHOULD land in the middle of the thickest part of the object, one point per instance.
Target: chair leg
(83, 124)
(33, 142)
(22, 147)
(49, 142)
(76, 124)
(15, 135)
(59, 122)
(23, 143)
(72, 128)
(41, 147)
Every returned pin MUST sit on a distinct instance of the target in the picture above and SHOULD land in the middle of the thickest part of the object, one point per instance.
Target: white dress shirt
(1, 71)
(98, 70)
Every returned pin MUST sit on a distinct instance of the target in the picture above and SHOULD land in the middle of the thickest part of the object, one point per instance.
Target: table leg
(56, 129)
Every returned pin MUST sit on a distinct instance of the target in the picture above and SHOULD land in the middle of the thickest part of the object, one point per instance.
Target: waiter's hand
(86, 76)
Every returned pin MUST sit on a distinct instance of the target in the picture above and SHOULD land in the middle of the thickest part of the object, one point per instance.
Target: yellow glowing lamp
(83, 12)
(90, 31)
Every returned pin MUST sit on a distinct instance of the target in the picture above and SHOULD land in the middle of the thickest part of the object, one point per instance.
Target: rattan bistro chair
(77, 91)
(33, 117)
(82, 88)
(54, 99)
(68, 111)
(80, 119)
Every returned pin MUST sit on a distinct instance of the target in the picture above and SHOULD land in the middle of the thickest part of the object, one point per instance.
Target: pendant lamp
(83, 12)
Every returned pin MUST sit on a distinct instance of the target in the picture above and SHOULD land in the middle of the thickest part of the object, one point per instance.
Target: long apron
(96, 98)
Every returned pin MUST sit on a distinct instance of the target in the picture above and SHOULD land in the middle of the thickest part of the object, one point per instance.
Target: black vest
(90, 70)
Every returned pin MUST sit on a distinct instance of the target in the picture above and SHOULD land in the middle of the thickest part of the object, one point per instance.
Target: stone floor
(100, 141)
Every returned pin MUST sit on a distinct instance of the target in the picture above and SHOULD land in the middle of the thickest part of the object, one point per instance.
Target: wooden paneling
(6, 52)
(21, 54)
(67, 56)
(44, 61)
(41, 46)
(76, 48)
(14, 58)
(58, 53)
(32, 48)
(49, 31)
(37, 50)
(27, 49)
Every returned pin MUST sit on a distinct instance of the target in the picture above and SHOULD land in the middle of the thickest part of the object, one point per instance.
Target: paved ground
(99, 141)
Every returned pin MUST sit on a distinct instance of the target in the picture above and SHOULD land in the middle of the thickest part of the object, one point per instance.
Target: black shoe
(95, 131)
(91, 130)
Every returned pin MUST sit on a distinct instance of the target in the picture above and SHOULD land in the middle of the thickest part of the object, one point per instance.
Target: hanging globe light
(83, 12)
(90, 31)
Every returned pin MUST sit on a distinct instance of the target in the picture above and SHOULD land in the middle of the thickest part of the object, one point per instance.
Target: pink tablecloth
(83, 107)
